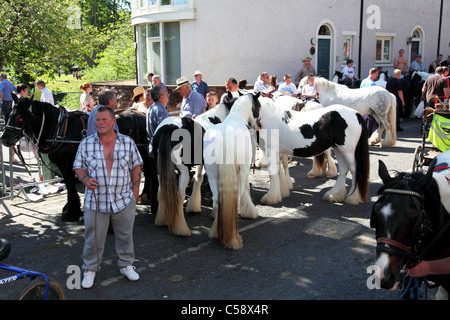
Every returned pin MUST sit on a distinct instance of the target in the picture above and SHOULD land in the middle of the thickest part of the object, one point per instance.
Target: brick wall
(124, 91)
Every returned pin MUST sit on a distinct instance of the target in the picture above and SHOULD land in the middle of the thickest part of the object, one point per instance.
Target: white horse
(174, 156)
(372, 100)
(305, 134)
(228, 151)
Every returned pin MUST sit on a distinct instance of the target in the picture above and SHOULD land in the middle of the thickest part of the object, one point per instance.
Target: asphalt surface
(301, 249)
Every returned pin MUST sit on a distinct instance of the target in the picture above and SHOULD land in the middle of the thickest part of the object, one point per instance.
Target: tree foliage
(39, 37)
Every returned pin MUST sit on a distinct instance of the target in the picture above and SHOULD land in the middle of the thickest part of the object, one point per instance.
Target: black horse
(57, 132)
(411, 225)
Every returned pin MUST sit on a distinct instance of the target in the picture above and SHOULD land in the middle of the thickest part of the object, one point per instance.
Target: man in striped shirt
(109, 165)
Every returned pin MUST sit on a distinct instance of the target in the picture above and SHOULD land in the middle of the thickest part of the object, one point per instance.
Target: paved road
(301, 249)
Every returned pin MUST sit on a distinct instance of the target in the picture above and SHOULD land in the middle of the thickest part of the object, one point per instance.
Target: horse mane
(326, 84)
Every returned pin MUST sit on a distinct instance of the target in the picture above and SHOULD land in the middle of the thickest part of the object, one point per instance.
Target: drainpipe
(361, 15)
(136, 49)
(439, 29)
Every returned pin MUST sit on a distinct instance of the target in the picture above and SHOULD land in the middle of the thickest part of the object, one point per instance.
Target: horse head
(400, 218)
(15, 123)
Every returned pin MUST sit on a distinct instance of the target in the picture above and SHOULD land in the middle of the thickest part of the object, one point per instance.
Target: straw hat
(137, 91)
(306, 58)
(198, 72)
(181, 82)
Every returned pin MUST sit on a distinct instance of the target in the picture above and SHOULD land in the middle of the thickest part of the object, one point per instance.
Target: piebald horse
(306, 134)
(178, 147)
(373, 100)
(228, 151)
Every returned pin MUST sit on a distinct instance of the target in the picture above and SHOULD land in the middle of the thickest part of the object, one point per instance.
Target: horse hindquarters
(357, 161)
(170, 209)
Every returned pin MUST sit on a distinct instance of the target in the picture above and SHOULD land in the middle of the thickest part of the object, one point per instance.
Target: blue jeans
(6, 108)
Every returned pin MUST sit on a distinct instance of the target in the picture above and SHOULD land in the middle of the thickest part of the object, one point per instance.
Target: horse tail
(168, 180)
(228, 206)
(392, 118)
(362, 160)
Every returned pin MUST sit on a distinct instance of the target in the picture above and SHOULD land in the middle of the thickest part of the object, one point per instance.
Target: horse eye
(19, 120)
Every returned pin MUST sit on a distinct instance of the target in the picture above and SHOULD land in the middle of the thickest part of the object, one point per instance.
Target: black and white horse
(412, 222)
(178, 146)
(306, 134)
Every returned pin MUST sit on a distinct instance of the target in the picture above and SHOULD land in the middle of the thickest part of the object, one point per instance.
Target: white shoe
(88, 279)
(130, 273)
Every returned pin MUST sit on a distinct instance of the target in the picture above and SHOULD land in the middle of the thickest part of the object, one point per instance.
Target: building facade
(242, 38)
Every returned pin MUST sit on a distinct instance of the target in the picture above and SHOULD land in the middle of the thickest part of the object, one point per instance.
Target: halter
(423, 225)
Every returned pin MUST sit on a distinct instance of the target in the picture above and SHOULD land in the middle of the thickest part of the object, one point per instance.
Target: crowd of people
(112, 183)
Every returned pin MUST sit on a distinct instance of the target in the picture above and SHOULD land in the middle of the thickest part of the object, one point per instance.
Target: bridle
(414, 253)
(421, 228)
(60, 131)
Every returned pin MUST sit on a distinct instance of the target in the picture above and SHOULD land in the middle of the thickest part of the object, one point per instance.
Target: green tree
(118, 60)
(37, 37)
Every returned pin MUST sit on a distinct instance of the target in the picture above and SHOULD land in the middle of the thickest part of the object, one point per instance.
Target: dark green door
(323, 58)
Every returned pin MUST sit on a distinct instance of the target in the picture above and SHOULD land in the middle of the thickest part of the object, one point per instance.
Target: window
(383, 49)
(324, 31)
(347, 50)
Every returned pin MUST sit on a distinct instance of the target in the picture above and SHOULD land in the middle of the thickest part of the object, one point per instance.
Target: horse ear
(14, 96)
(383, 172)
(425, 180)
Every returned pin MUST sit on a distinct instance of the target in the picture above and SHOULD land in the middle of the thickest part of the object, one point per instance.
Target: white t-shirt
(348, 71)
(47, 96)
(288, 89)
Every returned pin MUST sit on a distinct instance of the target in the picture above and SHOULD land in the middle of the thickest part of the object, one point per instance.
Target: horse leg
(284, 187)
(180, 226)
(194, 204)
(160, 219)
(284, 158)
(377, 134)
(338, 192)
(72, 210)
(318, 165)
(331, 170)
(273, 196)
(213, 180)
(246, 207)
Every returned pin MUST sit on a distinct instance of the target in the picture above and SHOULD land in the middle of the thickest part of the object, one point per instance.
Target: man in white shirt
(47, 95)
(287, 87)
(261, 84)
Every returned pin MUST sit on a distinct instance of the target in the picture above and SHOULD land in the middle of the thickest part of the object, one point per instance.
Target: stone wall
(124, 91)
